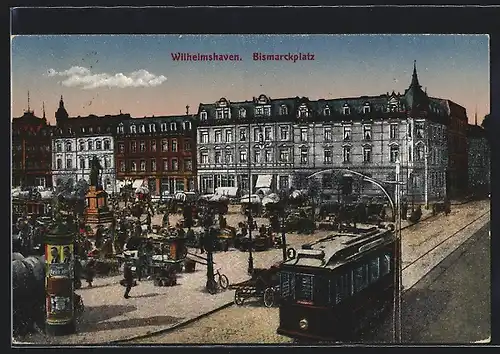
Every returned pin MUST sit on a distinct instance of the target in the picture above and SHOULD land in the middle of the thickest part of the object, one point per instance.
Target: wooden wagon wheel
(269, 297)
(238, 299)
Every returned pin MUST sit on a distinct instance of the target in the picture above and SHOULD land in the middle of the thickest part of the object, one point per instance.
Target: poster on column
(59, 260)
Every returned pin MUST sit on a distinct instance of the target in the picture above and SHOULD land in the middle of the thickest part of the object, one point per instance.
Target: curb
(174, 327)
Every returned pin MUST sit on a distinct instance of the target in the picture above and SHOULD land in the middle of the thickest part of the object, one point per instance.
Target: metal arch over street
(365, 178)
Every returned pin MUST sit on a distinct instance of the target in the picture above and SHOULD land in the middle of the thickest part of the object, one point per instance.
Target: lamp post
(399, 260)
(250, 221)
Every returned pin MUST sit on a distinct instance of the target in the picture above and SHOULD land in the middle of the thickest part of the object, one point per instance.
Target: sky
(136, 74)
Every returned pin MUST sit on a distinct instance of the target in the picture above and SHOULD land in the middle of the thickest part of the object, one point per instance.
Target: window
(341, 288)
(187, 125)
(188, 165)
(366, 109)
(133, 146)
(259, 111)
(409, 128)
(204, 137)
(326, 111)
(284, 133)
(58, 147)
(267, 133)
(327, 156)
(153, 145)
(218, 136)
(243, 134)
(229, 157)
(133, 129)
(284, 155)
(133, 166)
(420, 130)
(82, 162)
(303, 112)
(267, 111)
(173, 126)
(346, 110)
(142, 146)
(174, 145)
(367, 154)
(410, 155)
(284, 182)
(142, 165)
(107, 144)
(91, 129)
(152, 128)
(203, 115)
(347, 154)
(187, 145)
(303, 134)
(268, 156)
(164, 145)
(175, 164)
(347, 133)
(420, 152)
(121, 148)
(394, 153)
(59, 164)
(243, 156)
(153, 165)
(393, 131)
(90, 145)
(242, 112)
(283, 110)
(256, 156)
(69, 163)
(120, 129)
(83, 130)
(303, 156)
(81, 145)
(218, 157)
(122, 166)
(68, 146)
(360, 278)
(163, 127)
(257, 134)
(367, 132)
(328, 134)
(165, 165)
(229, 136)
(204, 157)
(106, 162)
(385, 264)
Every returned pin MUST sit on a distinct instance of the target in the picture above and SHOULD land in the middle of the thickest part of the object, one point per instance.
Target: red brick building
(161, 150)
(31, 150)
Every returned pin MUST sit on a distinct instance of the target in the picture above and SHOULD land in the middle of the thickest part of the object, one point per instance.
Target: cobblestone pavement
(109, 317)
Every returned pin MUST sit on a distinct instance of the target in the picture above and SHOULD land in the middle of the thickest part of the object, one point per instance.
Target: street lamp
(399, 260)
(250, 221)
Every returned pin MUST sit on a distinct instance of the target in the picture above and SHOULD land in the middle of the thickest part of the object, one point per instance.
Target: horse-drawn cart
(263, 284)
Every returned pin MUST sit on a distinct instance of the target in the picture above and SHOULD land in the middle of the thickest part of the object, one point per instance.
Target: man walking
(128, 279)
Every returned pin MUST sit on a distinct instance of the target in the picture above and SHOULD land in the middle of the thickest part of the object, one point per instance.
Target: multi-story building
(280, 141)
(478, 150)
(31, 150)
(75, 143)
(159, 150)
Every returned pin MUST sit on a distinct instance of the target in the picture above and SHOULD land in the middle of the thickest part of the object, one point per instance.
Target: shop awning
(264, 181)
(137, 183)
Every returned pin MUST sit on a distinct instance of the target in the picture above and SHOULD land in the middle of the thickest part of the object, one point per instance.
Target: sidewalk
(108, 317)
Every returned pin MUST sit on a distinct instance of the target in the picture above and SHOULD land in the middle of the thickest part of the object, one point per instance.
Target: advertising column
(60, 317)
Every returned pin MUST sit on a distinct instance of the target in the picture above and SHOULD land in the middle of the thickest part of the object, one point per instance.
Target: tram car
(337, 287)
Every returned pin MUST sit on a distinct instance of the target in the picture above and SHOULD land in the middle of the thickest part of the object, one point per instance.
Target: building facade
(31, 150)
(479, 158)
(77, 141)
(159, 150)
(281, 141)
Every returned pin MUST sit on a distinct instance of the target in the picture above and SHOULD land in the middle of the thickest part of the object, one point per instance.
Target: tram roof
(338, 248)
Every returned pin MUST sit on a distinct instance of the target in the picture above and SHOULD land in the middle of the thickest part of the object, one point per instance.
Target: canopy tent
(272, 198)
(227, 191)
(264, 181)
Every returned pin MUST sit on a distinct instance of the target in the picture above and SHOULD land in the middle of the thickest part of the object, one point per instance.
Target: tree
(487, 125)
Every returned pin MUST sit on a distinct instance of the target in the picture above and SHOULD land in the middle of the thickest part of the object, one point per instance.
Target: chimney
(187, 109)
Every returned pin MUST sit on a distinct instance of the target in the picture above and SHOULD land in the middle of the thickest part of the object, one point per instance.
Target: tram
(334, 288)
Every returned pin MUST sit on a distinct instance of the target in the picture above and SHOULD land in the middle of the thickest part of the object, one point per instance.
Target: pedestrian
(89, 271)
(148, 222)
(128, 278)
(201, 242)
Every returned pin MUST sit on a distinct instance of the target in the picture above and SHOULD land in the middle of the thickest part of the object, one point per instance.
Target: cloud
(78, 76)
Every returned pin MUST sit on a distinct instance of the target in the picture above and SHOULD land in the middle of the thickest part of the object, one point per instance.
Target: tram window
(374, 270)
(341, 288)
(385, 264)
(285, 284)
(360, 277)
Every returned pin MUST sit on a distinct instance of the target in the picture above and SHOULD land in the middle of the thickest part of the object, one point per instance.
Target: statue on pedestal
(95, 167)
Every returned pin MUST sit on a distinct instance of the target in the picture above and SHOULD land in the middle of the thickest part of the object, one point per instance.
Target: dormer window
(152, 128)
(366, 108)
(346, 110)
(242, 112)
(326, 111)
(267, 111)
(186, 125)
(303, 111)
(70, 131)
(142, 128)
(173, 126)
(133, 129)
(283, 110)
(163, 127)
(91, 129)
(83, 130)
(259, 111)
(120, 128)
(203, 115)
